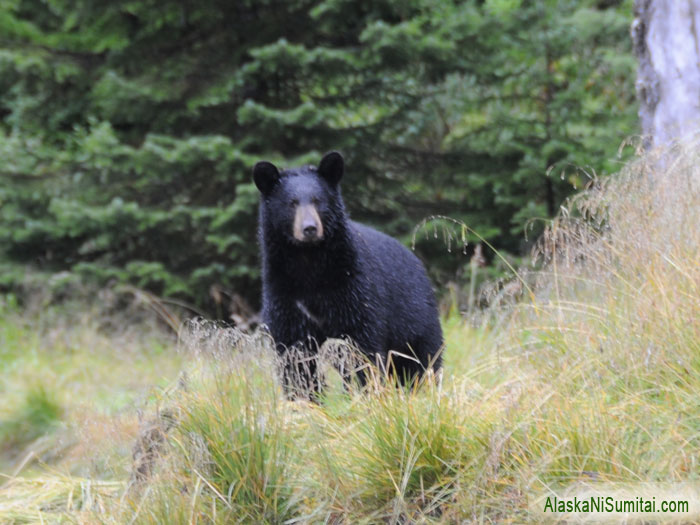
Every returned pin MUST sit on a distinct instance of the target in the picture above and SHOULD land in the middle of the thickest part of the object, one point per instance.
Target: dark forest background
(128, 129)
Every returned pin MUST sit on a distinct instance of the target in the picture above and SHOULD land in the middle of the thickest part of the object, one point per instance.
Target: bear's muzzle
(308, 227)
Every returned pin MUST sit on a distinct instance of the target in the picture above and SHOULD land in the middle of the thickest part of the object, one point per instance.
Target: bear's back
(393, 260)
(407, 300)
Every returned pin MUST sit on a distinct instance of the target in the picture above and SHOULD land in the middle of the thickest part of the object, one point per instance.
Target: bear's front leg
(297, 342)
(299, 365)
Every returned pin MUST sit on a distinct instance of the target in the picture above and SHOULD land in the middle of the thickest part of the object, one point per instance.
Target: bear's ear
(331, 167)
(265, 175)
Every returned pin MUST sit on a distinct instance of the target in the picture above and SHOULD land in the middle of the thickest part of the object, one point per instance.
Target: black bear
(325, 276)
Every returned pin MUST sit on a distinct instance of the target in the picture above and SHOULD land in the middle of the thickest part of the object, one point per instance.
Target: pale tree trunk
(665, 35)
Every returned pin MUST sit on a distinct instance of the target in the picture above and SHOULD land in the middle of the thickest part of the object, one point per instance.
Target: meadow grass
(592, 373)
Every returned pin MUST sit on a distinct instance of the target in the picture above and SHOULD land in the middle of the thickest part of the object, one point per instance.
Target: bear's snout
(307, 224)
(309, 231)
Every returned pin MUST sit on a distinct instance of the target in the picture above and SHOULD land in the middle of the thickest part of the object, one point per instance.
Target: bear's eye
(294, 203)
(315, 201)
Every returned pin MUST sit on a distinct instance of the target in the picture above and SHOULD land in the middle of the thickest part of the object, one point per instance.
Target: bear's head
(302, 205)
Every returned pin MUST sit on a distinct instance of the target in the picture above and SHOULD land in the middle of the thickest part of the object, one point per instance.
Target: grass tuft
(38, 414)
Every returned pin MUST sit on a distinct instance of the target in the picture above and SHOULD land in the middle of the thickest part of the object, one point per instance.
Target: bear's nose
(310, 231)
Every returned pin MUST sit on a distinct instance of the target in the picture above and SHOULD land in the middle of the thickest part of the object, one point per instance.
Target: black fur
(354, 282)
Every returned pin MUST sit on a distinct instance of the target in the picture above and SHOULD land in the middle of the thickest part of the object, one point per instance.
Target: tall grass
(593, 377)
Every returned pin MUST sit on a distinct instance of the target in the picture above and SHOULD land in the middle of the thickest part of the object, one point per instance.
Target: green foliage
(128, 130)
